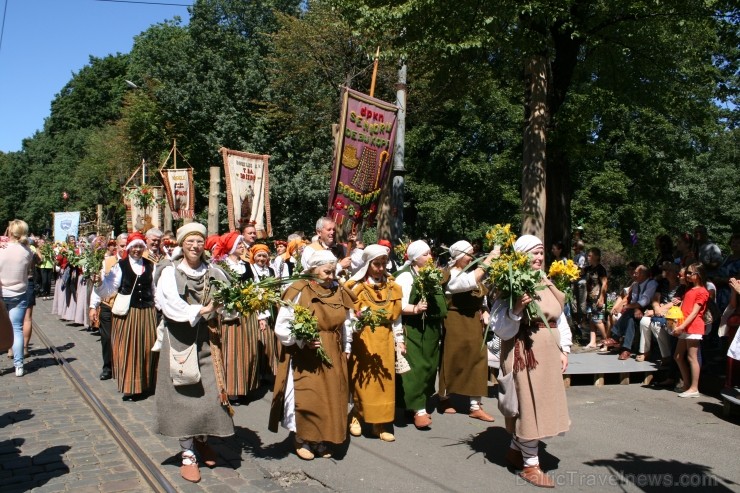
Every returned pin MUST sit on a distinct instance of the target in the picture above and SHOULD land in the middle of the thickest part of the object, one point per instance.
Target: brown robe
(372, 364)
(543, 409)
(321, 391)
(464, 366)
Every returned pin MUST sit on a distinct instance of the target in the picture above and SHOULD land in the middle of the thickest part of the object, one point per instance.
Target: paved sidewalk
(51, 440)
(623, 438)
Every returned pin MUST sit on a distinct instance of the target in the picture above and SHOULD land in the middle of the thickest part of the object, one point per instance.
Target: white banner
(66, 224)
(138, 219)
(247, 190)
(180, 191)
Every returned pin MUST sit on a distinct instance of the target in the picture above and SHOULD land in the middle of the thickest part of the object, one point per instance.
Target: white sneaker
(19, 371)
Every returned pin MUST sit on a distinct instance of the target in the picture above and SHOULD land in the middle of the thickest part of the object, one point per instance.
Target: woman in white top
(464, 367)
(133, 334)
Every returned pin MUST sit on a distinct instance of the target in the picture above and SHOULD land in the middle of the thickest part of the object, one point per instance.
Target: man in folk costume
(154, 245)
(326, 232)
(100, 309)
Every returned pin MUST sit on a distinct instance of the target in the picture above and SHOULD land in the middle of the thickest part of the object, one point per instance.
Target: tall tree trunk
(534, 176)
(557, 223)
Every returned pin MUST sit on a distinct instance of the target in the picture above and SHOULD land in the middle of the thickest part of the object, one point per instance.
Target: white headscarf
(526, 243)
(368, 255)
(416, 249)
(457, 251)
(320, 257)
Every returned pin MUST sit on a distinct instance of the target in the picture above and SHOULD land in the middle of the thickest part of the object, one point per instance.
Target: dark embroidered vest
(142, 295)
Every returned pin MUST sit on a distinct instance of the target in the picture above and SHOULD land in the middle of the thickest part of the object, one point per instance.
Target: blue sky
(45, 41)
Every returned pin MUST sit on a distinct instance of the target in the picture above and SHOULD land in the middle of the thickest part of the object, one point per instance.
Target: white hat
(368, 255)
(320, 257)
(525, 243)
(190, 229)
(416, 249)
(457, 250)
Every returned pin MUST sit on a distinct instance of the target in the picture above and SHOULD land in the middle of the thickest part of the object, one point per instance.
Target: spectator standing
(691, 330)
(16, 261)
(685, 250)
(730, 268)
(579, 291)
(597, 283)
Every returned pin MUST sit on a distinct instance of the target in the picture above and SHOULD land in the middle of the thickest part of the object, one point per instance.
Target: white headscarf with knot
(457, 251)
(416, 249)
(526, 243)
(320, 257)
(369, 254)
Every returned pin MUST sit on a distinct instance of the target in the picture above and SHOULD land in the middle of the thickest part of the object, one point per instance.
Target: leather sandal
(322, 451)
(355, 429)
(190, 471)
(444, 407)
(536, 476)
(422, 421)
(609, 342)
(625, 354)
(385, 436)
(481, 415)
(207, 455)
(303, 451)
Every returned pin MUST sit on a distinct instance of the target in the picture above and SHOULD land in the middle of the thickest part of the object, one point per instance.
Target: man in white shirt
(104, 316)
(326, 230)
(641, 297)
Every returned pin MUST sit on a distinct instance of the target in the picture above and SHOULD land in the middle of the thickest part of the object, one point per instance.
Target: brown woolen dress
(321, 391)
(543, 409)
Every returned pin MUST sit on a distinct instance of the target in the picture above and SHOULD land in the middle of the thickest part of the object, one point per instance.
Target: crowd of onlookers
(684, 300)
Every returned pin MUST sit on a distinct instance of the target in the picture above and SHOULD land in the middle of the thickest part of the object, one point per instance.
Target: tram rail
(149, 471)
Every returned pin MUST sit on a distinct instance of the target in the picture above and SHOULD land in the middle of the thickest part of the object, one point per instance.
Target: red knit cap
(225, 243)
(211, 242)
(134, 239)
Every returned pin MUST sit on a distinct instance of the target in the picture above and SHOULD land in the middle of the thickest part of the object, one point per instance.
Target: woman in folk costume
(259, 268)
(310, 397)
(191, 412)
(372, 366)
(422, 324)
(464, 367)
(239, 337)
(278, 264)
(293, 252)
(538, 355)
(133, 335)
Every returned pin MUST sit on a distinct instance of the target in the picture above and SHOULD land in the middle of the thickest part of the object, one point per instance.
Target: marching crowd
(162, 333)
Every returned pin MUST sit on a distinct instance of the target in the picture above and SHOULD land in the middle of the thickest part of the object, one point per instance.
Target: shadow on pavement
(250, 442)
(15, 416)
(653, 475)
(495, 440)
(25, 468)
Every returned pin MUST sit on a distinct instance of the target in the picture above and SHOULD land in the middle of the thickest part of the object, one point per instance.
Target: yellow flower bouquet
(563, 274)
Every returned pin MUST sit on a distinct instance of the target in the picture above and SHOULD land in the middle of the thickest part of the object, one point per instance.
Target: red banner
(362, 157)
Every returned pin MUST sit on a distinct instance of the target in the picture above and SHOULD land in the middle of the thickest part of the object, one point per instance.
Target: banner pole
(375, 73)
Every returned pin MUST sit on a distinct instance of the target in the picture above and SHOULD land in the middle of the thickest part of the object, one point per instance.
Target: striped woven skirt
(239, 344)
(269, 353)
(132, 338)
